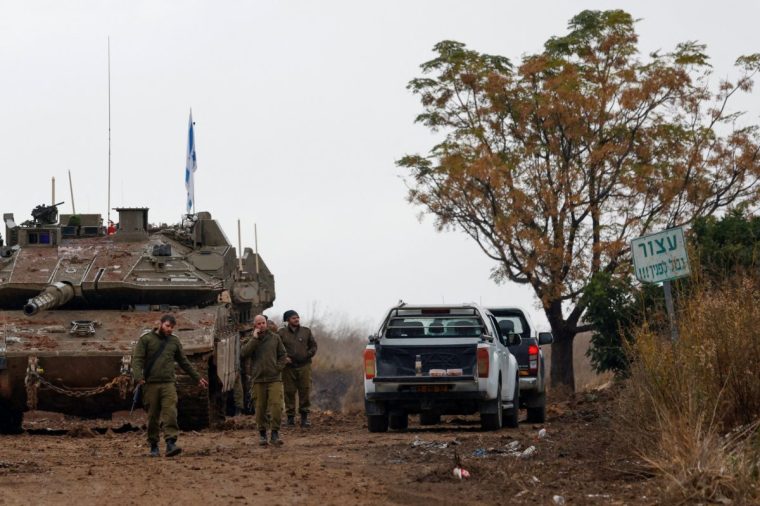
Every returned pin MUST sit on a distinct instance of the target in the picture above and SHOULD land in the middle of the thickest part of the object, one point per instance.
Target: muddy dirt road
(335, 462)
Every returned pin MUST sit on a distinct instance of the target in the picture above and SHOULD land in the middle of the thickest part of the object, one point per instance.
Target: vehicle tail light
(533, 359)
(369, 363)
(483, 362)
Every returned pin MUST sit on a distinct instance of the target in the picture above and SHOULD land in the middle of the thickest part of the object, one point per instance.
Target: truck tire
(430, 418)
(537, 413)
(10, 419)
(492, 421)
(398, 422)
(511, 416)
(377, 423)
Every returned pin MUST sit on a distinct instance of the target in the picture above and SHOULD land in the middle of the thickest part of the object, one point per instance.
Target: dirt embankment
(335, 462)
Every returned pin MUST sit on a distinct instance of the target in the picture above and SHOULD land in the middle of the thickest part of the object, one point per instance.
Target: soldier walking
(268, 358)
(301, 347)
(153, 369)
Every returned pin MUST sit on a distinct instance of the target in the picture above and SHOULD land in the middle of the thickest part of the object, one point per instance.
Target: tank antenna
(240, 248)
(52, 202)
(256, 245)
(108, 211)
(71, 189)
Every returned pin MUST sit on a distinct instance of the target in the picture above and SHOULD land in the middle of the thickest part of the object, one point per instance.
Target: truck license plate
(431, 388)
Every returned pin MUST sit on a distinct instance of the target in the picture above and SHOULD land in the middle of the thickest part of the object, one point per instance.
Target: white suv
(435, 360)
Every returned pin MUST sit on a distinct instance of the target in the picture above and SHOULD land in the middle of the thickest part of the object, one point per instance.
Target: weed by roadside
(693, 406)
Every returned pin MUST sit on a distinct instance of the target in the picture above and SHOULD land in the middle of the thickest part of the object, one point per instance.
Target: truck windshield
(434, 326)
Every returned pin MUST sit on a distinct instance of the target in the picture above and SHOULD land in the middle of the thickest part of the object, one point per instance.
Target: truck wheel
(537, 414)
(398, 422)
(492, 421)
(511, 416)
(430, 419)
(377, 423)
(10, 419)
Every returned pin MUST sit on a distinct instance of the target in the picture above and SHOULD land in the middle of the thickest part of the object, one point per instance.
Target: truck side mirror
(545, 338)
(514, 339)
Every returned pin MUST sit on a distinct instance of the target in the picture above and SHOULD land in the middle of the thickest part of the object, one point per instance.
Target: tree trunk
(562, 375)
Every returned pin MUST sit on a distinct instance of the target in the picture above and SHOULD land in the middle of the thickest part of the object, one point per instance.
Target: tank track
(197, 408)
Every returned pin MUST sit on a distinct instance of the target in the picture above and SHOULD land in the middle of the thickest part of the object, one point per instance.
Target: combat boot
(291, 421)
(171, 448)
(263, 437)
(305, 420)
(275, 438)
(154, 450)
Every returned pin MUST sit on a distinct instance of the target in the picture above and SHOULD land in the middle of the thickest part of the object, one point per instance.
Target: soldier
(269, 359)
(153, 369)
(301, 348)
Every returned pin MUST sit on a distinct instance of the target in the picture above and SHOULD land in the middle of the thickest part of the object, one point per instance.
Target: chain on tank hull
(47, 367)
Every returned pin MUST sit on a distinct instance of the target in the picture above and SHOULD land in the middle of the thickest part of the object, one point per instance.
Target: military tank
(74, 299)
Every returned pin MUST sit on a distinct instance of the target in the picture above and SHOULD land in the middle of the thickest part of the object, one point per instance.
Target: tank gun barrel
(53, 295)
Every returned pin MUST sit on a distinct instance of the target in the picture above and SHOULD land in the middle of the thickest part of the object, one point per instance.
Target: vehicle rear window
(434, 326)
(519, 325)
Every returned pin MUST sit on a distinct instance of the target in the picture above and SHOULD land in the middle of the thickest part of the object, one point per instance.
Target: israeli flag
(190, 167)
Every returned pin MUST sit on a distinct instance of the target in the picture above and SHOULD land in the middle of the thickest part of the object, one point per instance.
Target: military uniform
(301, 347)
(268, 357)
(159, 391)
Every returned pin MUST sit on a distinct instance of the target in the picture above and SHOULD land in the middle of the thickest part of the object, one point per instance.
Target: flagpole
(108, 211)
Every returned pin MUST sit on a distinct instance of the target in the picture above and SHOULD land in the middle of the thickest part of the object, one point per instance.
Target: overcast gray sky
(300, 110)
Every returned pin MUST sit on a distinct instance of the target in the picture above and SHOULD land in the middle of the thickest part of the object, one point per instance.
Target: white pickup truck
(435, 360)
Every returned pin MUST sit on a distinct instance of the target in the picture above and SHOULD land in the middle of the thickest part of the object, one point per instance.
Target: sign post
(660, 258)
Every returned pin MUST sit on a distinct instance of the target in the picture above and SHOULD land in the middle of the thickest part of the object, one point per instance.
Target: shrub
(694, 404)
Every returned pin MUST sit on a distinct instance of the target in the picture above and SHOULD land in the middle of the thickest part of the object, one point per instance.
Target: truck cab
(435, 360)
(530, 358)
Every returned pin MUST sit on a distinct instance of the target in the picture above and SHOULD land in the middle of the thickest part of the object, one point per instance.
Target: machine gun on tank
(43, 215)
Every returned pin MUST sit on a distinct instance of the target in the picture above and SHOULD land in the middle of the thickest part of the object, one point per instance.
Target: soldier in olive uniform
(301, 347)
(269, 359)
(153, 369)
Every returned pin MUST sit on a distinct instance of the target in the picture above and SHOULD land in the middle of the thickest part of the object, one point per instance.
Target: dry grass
(693, 406)
(338, 367)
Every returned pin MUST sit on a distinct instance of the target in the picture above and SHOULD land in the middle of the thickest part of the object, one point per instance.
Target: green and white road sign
(661, 256)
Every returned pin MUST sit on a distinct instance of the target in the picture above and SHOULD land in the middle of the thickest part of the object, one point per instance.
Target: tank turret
(52, 296)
